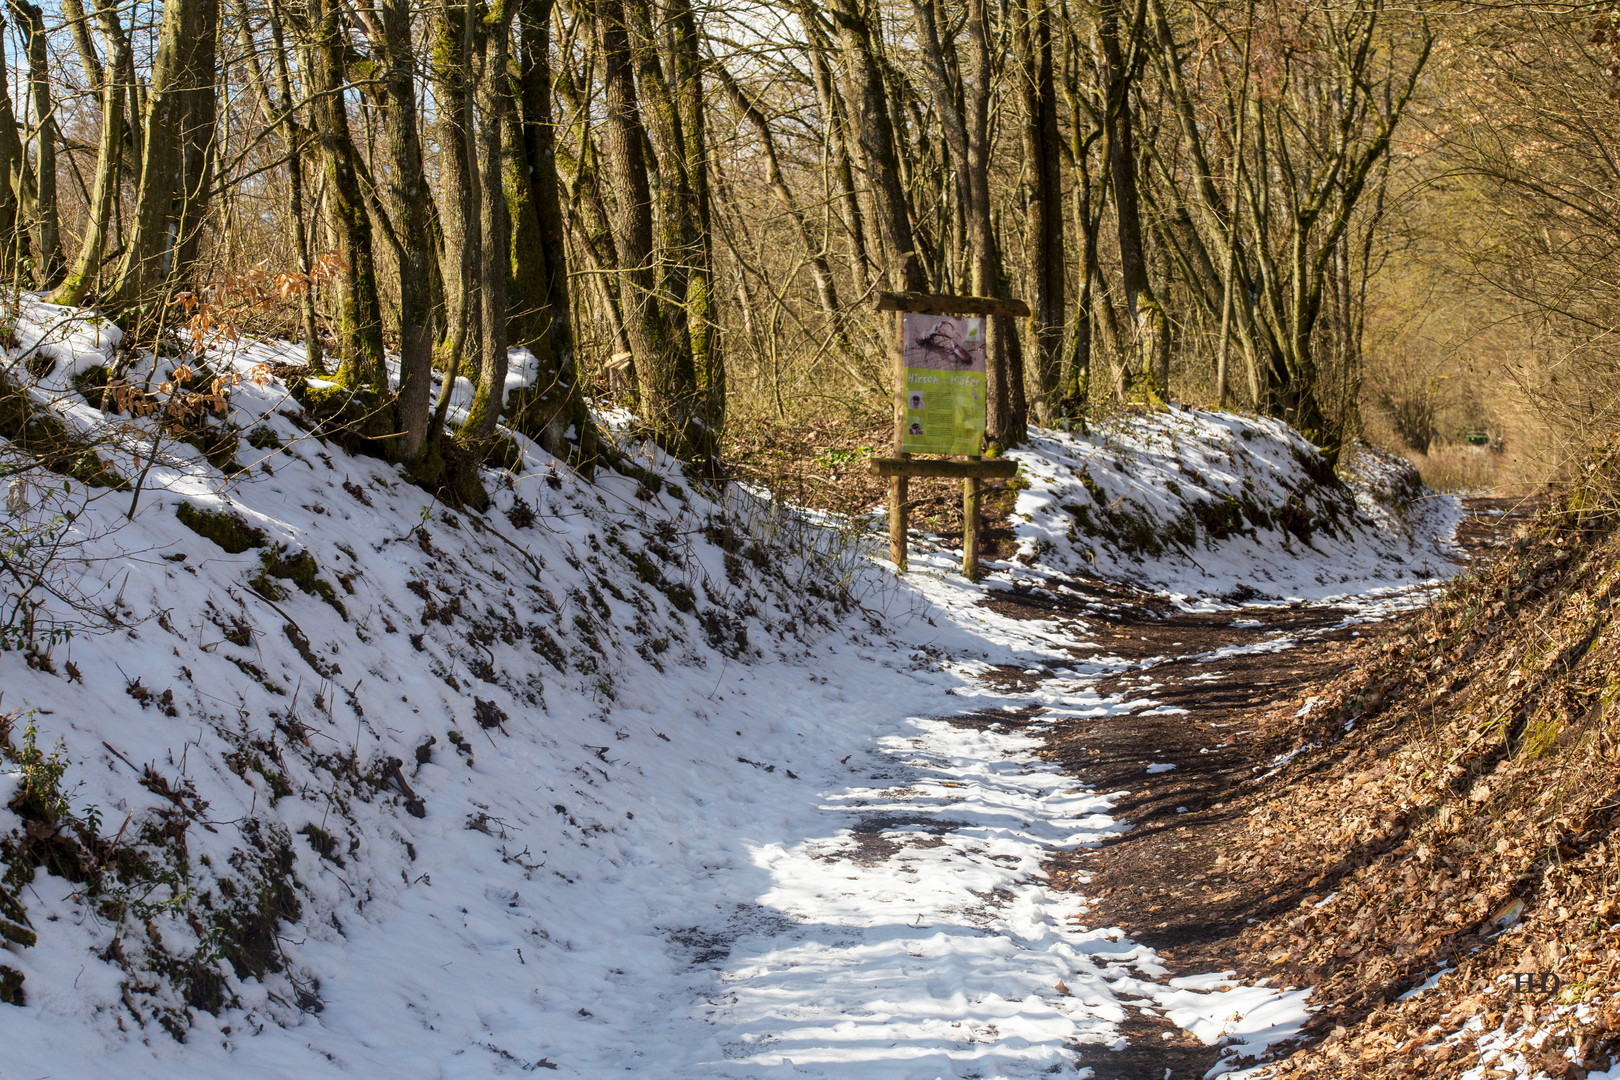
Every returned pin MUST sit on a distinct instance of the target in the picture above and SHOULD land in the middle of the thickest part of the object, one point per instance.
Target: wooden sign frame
(902, 466)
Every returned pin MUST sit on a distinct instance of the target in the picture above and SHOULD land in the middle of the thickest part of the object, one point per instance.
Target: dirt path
(1232, 676)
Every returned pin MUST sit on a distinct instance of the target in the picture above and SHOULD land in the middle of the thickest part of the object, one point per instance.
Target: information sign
(943, 356)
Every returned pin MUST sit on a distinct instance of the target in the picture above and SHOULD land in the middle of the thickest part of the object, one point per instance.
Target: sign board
(943, 360)
(939, 405)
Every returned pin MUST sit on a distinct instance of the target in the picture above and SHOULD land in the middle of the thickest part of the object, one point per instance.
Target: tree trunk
(1152, 328)
(495, 105)
(31, 21)
(528, 272)
(673, 211)
(665, 378)
(1044, 213)
(293, 135)
(869, 115)
(1229, 282)
(965, 116)
(669, 80)
(405, 193)
(79, 27)
(526, 269)
(173, 173)
(1077, 382)
(199, 119)
(359, 321)
(834, 122)
(451, 65)
(1085, 128)
(13, 171)
(1006, 414)
(702, 311)
(551, 337)
(86, 273)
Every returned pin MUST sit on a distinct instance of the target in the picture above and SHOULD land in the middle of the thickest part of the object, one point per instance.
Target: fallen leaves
(1464, 821)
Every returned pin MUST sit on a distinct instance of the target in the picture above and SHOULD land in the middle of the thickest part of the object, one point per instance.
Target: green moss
(1138, 533)
(647, 571)
(246, 931)
(262, 438)
(1319, 466)
(17, 933)
(324, 843)
(470, 490)
(1098, 495)
(88, 468)
(359, 418)
(300, 569)
(223, 527)
(1220, 517)
(530, 409)
(236, 630)
(91, 382)
(1129, 527)
(11, 986)
(447, 471)
(37, 431)
(553, 416)
(218, 443)
(256, 673)
(1082, 516)
(541, 641)
(426, 469)
(644, 567)
(1296, 518)
(625, 467)
(1258, 515)
(505, 453)
(720, 533)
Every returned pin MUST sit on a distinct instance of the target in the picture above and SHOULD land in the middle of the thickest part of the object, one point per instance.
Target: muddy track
(1207, 684)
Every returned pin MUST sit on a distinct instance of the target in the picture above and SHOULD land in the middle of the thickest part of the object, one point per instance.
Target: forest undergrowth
(823, 463)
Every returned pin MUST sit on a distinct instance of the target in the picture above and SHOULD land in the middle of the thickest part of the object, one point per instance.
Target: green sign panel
(944, 362)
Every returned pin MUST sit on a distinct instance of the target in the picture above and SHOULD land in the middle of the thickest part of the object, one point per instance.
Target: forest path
(1199, 687)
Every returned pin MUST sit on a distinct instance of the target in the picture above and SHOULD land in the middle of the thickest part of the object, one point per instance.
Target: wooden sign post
(939, 407)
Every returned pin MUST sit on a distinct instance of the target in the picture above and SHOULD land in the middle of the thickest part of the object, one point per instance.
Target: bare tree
(1043, 220)
(358, 326)
(174, 172)
(30, 20)
(85, 275)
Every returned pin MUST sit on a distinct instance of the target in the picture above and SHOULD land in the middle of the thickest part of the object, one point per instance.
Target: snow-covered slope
(1222, 506)
(633, 775)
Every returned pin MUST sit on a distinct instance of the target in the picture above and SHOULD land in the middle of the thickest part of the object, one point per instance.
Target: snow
(1232, 506)
(1510, 1048)
(699, 819)
(77, 339)
(1427, 984)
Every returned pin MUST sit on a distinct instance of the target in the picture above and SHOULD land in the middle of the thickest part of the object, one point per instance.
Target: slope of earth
(1464, 784)
(1234, 508)
(1201, 734)
(1413, 820)
(635, 774)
